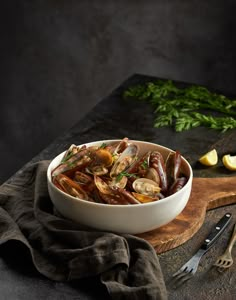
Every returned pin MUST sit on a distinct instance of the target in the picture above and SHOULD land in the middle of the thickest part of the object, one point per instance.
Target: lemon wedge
(229, 162)
(210, 158)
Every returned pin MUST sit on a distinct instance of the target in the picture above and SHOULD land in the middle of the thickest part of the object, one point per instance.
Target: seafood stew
(119, 173)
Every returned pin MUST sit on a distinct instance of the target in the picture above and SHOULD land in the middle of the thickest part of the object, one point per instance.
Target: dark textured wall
(59, 58)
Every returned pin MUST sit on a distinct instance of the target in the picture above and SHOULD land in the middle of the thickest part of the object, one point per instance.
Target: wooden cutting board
(207, 193)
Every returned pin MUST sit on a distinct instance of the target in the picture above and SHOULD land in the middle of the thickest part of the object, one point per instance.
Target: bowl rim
(96, 204)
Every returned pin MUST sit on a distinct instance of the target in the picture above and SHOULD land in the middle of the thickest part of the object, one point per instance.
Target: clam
(121, 183)
(102, 157)
(101, 160)
(153, 175)
(146, 186)
(144, 198)
(97, 170)
(126, 158)
(102, 186)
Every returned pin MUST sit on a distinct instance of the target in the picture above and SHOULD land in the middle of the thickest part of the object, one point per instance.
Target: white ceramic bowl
(133, 219)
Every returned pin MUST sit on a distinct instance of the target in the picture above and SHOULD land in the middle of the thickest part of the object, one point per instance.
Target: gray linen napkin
(61, 250)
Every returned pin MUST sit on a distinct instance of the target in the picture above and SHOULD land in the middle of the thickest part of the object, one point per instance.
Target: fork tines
(181, 276)
(226, 259)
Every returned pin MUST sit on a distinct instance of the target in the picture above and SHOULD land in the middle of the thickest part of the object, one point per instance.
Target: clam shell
(102, 157)
(144, 198)
(146, 186)
(153, 175)
(126, 158)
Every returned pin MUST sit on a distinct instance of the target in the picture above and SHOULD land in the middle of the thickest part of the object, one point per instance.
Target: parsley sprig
(121, 174)
(103, 145)
(182, 107)
(144, 164)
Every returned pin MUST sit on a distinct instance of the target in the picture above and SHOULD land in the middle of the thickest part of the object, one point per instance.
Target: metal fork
(226, 260)
(190, 268)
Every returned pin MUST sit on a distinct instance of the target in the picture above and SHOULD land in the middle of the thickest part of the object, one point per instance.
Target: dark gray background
(59, 58)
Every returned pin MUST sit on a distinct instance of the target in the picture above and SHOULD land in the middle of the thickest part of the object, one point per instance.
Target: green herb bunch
(182, 107)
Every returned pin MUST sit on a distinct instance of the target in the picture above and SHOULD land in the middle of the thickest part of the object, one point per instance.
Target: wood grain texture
(207, 193)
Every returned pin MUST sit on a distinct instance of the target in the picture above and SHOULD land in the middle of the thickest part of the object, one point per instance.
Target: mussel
(157, 162)
(177, 185)
(173, 167)
(122, 145)
(77, 161)
(70, 187)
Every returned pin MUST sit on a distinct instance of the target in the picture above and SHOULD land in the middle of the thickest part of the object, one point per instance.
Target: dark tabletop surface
(115, 118)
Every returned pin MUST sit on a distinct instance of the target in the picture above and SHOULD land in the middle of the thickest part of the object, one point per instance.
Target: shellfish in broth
(116, 174)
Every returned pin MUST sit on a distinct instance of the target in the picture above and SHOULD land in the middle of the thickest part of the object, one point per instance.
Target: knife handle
(216, 231)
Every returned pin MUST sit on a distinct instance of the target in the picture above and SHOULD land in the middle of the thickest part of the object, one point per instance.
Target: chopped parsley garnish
(103, 145)
(144, 164)
(119, 176)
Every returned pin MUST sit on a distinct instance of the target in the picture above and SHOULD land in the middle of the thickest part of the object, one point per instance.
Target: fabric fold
(62, 250)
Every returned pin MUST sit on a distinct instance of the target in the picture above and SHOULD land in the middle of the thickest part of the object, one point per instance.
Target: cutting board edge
(182, 238)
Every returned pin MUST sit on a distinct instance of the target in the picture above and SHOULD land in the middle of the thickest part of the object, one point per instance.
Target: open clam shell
(146, 186)
(126, 158)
